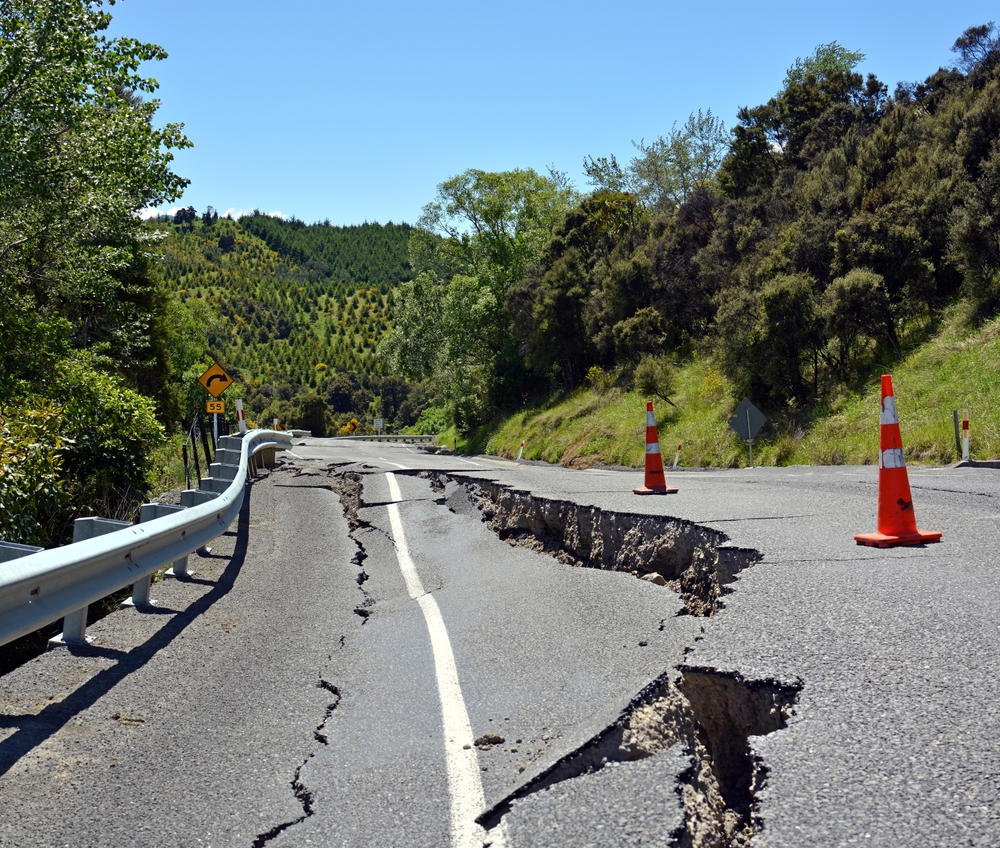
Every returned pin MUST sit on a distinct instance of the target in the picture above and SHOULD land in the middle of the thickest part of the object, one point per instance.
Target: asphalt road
(292, 697)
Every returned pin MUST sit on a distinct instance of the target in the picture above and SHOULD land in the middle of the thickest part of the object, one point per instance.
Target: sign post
(216, 381)
(747, 421)
(378, 425)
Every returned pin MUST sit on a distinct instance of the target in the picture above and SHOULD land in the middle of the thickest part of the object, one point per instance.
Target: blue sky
(355, 111)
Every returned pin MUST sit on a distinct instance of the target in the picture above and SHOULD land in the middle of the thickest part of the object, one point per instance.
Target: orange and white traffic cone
(897, 524)
(656, 483)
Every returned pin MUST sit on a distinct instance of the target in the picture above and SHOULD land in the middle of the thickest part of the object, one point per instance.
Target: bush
(654, 377)
(112, 437)
(598, 379)
(640, 335)
(31, 489)
(432, 421)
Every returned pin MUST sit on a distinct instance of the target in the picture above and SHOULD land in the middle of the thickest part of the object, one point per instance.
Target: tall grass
(957, 368)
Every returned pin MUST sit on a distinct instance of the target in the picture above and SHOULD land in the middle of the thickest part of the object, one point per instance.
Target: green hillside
(278, 320)
(958, 368)
(290, 331)
(840, 230)
(363, 253)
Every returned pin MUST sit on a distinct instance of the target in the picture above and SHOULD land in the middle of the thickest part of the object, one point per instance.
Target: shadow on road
(35, 729)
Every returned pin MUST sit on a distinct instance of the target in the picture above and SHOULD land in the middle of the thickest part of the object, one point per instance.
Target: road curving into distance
(394, 647)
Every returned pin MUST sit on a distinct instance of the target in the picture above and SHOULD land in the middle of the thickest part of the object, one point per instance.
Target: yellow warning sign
(216, 406)
(216, 380)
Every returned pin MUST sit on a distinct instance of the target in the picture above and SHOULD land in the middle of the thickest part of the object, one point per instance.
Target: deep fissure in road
(349, 489)
(692, 560)
(711, 714)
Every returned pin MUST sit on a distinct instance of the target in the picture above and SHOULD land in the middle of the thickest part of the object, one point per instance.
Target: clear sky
(355, 111)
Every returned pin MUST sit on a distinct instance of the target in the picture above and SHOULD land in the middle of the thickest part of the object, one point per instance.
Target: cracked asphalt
(256, 707)
(185, 726)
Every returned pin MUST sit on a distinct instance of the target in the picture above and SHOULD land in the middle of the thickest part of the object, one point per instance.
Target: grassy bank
(958, 368)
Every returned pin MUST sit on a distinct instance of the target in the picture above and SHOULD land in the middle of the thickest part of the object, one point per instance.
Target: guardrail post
(194, 497)
(74, 630)
(179, 567)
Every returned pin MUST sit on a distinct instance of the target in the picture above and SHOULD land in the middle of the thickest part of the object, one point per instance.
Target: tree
(185, 216)
(670, 168)
(639, 336)
(825, 61)
(79, 155)
(312, 414)
(452, 325)
(978, 50)
(490, 224)
(856, 307)
(822, 98)
(767, 338)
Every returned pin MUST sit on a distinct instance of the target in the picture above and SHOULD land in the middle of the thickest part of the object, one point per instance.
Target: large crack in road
(348, 488)
(711, 714)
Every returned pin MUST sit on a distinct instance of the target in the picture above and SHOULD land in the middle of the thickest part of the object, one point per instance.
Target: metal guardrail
(39, 588)
(375, 438)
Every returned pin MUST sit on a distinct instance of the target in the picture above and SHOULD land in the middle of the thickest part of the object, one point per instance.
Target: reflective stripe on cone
(655, 483)
(897, 524)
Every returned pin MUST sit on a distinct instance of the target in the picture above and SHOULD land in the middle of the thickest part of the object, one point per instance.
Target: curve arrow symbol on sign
(213, 374)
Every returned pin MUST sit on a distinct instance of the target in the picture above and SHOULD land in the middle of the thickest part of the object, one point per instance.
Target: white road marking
(467, 462)
(390, 462)
(464, 781)
(289, 453)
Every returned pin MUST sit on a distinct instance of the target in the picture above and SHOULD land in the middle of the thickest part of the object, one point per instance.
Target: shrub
(598, 379)
(31, 488)
(654, 377)
(112, 436)
(432, 421)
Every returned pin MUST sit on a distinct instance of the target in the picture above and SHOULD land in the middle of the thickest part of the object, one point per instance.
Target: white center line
(390, 462)
(464, 780)
(467, 462)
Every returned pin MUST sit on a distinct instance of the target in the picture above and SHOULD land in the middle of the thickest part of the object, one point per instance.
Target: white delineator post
(521, 452)
(241, 417)
(965, 435)
(678, 457)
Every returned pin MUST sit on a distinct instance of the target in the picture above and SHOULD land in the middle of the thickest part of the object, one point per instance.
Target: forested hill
(267, 317)
(362, 253)
(299, 341)
(799, 252)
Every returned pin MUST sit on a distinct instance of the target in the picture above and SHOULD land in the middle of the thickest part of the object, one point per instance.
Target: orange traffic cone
(897, 524)
(656, 484)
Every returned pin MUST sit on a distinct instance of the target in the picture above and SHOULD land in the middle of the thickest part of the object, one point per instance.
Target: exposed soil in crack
(692, 560)
(350, 489)
(302, 792)
(712, 715)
